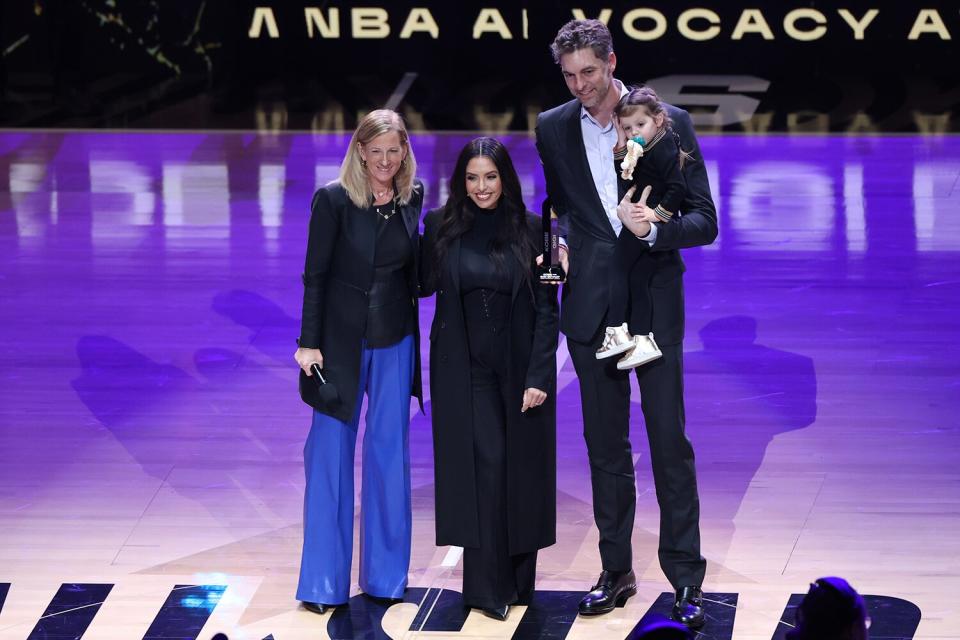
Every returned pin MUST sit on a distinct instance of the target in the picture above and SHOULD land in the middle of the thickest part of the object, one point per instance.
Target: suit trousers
(386, 376)
(492, 577)
(605, 400)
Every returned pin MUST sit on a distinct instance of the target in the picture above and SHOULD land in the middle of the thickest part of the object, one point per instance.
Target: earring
(363, 163)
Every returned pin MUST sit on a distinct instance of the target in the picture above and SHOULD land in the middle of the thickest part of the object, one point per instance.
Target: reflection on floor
(151, 478)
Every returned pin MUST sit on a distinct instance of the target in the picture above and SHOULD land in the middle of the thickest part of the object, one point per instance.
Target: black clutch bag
(317, 390)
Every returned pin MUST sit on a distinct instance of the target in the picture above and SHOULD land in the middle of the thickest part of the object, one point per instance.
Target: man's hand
(636, 216)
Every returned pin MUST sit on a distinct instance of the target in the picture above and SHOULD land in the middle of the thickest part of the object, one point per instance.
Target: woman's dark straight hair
(512, 234)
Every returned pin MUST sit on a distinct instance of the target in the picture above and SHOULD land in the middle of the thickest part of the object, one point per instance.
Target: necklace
(379, 195)
(386, 215)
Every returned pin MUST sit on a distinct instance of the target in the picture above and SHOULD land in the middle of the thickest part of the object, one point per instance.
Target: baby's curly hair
(642, 96)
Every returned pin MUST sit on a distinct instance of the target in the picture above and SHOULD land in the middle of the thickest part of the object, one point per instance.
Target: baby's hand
(646, 215)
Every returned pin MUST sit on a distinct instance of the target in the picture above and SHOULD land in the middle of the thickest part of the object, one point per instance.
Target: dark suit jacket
(591, 239)
(336, 282)
(530, 437)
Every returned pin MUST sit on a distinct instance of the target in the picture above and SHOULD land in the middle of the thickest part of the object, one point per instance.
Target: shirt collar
(584, 114)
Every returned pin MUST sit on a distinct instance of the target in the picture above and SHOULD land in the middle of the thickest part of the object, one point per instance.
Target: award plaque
(550, 270)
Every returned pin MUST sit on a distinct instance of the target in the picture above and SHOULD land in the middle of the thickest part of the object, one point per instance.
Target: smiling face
(638, 122)
(483, 182)
(383, 156)
(588, 77)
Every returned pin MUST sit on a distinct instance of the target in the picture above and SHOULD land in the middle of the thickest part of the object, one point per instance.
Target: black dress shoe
(384, 600)
(316, 607)
(612, 590)
(498, 613)
(688, 607)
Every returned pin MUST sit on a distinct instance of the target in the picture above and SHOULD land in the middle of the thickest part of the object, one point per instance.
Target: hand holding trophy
(551, 269)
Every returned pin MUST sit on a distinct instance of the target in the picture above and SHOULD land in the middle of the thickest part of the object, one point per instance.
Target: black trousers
(629, 283)
(492, 577)
(605, 399)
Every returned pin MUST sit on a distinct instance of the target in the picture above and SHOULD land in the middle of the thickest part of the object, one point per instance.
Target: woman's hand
(306, 357)
(564, 262)
(532, 398)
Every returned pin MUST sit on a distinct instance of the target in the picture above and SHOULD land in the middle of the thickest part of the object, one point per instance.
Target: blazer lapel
(409, 213)
(581, 166)
(364, 227)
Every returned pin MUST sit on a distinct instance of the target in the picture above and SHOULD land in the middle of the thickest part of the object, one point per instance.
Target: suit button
(443, 358)
(443, 325)
(440, 292)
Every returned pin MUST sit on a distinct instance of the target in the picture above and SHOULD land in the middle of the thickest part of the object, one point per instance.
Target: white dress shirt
(599, 141)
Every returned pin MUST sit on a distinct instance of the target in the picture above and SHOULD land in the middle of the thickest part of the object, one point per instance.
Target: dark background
(190, 64)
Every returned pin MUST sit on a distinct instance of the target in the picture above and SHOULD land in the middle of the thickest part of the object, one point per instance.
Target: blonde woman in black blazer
(360, 326)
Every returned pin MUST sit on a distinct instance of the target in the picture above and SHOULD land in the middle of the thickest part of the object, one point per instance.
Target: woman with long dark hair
(492, 379)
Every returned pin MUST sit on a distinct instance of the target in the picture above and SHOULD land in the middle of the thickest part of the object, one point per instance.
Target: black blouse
(390, 312)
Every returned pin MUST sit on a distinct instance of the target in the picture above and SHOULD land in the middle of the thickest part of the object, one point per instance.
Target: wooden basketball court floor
(151, 473)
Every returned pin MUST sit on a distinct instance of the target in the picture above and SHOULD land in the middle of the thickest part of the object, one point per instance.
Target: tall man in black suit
(575, 142)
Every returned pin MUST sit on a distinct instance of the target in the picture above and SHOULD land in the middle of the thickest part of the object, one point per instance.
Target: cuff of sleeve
(651, 237)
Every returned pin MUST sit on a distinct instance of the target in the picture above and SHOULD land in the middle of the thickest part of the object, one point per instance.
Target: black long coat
(336, 284)
(530, 437)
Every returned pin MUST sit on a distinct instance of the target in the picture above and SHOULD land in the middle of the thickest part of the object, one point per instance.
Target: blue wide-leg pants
(386, 376)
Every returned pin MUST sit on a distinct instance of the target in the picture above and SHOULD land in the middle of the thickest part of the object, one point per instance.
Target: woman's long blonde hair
(353, 176)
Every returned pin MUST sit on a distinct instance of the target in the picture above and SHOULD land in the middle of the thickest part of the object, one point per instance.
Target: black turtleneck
(477, 267)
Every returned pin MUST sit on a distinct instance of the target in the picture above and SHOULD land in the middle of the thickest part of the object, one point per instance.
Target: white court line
(453, 557)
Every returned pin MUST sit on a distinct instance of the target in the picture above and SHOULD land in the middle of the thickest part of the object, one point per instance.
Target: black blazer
(591, 239)
(530, 437)
(336, 282)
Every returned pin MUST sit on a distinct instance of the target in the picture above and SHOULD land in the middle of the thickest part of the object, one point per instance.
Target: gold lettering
(490, 21)
(272, 117)
(862, 123)
(757, 123)
(420, 19)
(414, 119)
(790, 24)
(751, 21)
(808, 122)
(526, 25)
(659, 24)
(932, 123)
(688, 16)
(369, 23)
(492, 122)
(330, 119)
(263, 16)
(859, 26)
(928, 21)
(328, 27)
